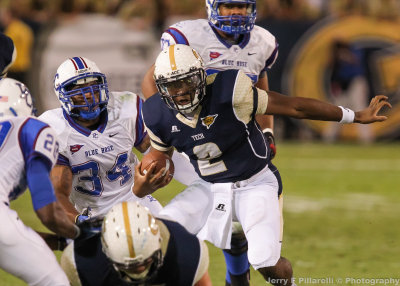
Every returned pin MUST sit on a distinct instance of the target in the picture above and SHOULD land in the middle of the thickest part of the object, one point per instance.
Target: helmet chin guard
(80, 78)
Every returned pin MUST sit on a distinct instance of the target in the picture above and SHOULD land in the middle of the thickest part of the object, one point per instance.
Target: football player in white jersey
(229, 39)
(97, 130)
(28, 151)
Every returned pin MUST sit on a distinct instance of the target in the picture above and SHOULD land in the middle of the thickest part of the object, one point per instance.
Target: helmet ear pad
(180, 65)
(228, 24)
(15, 99)
(87, 80)
(134, 221)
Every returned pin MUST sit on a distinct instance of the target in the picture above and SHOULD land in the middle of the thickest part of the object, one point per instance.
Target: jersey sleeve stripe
(140, 129)
(159, 146)
(178, 36)
(271, 60)
(62, 160)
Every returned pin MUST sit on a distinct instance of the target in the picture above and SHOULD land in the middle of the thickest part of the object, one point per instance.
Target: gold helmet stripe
(172, 57)
(128, 230)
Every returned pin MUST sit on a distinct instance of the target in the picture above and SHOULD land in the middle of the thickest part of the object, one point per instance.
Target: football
(162, 160)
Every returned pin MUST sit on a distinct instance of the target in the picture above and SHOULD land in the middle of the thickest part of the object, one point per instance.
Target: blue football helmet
(232, 24)
(79, 77)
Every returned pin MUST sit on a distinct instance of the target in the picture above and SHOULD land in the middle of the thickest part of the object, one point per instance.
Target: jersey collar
(83, 130)
(245, 40)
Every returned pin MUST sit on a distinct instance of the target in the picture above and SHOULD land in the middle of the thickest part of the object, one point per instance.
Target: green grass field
(341, 210)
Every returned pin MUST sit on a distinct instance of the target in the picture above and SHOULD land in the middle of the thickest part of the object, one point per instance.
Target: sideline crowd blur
(28, 22)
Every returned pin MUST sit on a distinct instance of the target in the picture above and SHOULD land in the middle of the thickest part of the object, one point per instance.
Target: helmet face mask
(183, 93)
(181, 83)
(15, 99)
(232, 24)
(131, 240)
(81, 88)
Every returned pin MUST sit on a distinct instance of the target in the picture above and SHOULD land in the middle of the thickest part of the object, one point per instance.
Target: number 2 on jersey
(205, 153)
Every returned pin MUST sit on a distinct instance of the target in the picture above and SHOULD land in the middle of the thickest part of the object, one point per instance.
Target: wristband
(265, 130)
(347, 115)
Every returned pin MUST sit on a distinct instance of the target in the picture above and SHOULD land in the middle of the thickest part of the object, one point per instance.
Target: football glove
(85, 215)
(90, 227)
(271, 141)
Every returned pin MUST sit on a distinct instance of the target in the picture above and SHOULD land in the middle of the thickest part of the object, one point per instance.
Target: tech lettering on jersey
(198, 136)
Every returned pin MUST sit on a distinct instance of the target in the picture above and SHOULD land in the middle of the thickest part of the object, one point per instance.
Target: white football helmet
(15, 99)
(76, 72)
(130, 239)
(179, 71)
(232, 24)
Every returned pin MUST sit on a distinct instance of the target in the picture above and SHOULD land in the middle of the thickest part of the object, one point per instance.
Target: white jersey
(22, 138)
(256, 52)
(23, 252)
(101, 160)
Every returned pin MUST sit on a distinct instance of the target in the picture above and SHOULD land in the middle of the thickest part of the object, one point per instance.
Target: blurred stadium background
(341, 188)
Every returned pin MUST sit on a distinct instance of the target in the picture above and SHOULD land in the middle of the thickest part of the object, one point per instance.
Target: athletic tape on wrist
(347, 115)
(265, 130)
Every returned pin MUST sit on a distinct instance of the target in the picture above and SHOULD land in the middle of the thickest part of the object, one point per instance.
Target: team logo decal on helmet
(234, 24)
(81, 88)
(15, 99)
(179, 71)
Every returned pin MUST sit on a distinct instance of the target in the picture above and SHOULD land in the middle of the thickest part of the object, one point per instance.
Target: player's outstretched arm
(148, 85)
(61, 177)
(308, 108)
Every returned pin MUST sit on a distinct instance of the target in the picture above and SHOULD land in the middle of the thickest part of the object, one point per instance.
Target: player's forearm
(54, 218)
(302, 108)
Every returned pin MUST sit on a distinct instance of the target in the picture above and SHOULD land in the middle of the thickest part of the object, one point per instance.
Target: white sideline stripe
(341, 164)
(349, 202)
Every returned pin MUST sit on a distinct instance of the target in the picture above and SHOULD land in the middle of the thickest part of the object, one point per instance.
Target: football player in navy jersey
(229, 39)
(134, 248)
(212, 120)
(28, 151)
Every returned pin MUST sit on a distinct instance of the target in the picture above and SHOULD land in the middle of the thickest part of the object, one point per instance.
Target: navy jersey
(181, 260)
(223, 141)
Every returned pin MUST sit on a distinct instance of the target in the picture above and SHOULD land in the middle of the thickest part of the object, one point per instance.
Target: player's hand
(90, 227)
(271, 141)
(85, 215)
(147, 183)
(370, 114)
